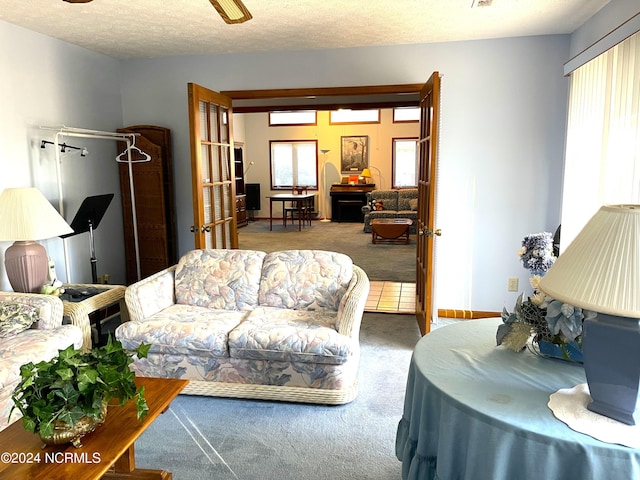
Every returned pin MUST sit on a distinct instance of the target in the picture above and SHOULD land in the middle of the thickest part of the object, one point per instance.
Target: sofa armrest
(50, 307)
(352, 305)
(151, 295)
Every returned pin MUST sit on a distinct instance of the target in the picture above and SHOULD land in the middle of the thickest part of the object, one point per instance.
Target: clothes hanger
(139, 153)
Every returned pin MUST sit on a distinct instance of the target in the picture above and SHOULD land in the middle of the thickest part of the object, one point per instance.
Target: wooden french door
(213, 179)
(427, 170)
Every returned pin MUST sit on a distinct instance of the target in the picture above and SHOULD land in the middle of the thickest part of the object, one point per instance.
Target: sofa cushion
(404, 198)
(303, 336)
(389, 198)
(182, 330)
(34, 346)
(304, 279)
(16, 318)
(219, 278)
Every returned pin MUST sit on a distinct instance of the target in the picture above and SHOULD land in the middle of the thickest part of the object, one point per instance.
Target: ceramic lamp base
(611, 348)
(27, 266)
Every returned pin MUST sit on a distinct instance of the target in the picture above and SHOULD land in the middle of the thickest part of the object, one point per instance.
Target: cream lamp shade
(600, 269)
(26, 215)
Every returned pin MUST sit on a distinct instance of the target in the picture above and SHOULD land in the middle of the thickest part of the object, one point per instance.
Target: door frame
(327, 98)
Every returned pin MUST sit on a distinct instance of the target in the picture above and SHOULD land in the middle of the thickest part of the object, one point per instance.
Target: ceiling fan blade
(232, 11)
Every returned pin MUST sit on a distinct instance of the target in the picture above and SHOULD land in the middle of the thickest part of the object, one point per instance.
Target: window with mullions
(405, 162)
(294, 163)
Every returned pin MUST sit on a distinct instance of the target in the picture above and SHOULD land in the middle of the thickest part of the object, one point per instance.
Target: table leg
(299, 205)
(270, 214)
(125, 468)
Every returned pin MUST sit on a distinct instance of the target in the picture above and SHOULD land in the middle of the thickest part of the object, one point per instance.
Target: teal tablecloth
(474, 411)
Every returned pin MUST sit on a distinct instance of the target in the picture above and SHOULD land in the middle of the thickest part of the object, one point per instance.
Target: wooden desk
(107, 452)
(300, 200)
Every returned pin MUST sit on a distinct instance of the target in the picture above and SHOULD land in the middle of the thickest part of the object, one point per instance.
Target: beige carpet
(382, 262)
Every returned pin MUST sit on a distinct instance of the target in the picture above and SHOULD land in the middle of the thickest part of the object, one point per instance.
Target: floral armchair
(31, 330)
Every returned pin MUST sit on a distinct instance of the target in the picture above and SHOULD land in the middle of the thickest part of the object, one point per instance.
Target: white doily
(570, 406)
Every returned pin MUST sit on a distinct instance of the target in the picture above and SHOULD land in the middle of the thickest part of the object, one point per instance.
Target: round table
(476, 411)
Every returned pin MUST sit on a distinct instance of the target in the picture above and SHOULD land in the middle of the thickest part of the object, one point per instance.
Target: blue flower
(564, 318)
(536, 252)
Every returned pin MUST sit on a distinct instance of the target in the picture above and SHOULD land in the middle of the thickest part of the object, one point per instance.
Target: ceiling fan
(231, 11)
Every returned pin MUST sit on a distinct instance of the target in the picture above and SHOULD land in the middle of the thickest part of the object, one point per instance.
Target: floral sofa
(395, 204)
(31, 330)
(243, 323)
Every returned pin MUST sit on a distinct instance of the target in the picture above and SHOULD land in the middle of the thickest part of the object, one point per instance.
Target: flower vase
(571, 352)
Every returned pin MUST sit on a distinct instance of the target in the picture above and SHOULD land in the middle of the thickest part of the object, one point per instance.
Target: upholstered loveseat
(395, 204)
(31, 330)
(244, 323)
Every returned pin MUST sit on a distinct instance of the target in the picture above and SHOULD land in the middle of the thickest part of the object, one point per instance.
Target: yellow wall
(257, 135)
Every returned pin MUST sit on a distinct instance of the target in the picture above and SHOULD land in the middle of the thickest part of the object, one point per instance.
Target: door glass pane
(224, 130)
(208, 240)
(217, 201)
(205, 160)
(204, 134)
(226, 189)
(225, 163)
(215, 164)
(219, 237)
(213, 123)
(206, 197)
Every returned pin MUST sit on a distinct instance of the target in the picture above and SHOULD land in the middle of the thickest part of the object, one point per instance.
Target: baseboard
(466, 314)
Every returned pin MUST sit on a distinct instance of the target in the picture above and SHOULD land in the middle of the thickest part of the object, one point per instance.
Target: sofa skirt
(259, 379)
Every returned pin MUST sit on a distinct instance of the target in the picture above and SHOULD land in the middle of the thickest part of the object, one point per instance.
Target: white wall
(502, 137)
(49, 82)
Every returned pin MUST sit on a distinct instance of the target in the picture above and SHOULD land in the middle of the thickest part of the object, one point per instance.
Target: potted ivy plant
(66, 397)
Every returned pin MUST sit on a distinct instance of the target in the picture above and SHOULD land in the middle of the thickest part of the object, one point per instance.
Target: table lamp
(600, 271)
(26, 215)
(366, 174)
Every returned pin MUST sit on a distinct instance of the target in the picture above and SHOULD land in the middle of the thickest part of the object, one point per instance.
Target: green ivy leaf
(65, 373)
(141, 404)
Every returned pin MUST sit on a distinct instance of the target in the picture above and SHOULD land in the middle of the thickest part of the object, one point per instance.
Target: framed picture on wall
(354, 154)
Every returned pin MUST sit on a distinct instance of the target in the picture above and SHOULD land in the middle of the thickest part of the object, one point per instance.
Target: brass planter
(63, 433)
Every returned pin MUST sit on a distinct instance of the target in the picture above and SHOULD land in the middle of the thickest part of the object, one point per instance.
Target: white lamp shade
(600, 269)
(25, 214)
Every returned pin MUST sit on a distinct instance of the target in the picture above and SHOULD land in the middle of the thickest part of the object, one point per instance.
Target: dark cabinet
(241, 198)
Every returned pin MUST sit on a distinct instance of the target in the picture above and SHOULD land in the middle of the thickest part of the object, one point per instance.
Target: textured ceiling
(152, 28)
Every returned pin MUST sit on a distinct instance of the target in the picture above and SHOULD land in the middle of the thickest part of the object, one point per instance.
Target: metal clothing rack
(129, 139)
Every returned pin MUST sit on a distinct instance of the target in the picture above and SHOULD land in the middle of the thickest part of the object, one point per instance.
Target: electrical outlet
(512, 284)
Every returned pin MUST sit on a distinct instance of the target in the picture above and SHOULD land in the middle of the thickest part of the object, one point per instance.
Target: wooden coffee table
(106, 453)
(390, 230)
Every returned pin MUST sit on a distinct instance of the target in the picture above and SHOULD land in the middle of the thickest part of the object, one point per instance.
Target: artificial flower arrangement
(553, 327)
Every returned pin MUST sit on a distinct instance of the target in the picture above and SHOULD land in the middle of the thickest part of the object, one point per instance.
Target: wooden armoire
(154, 200)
